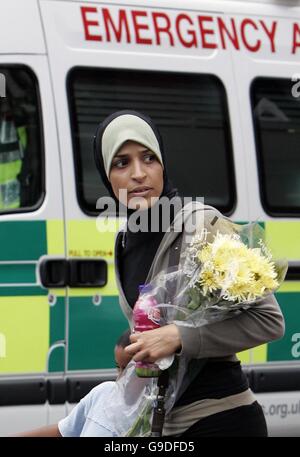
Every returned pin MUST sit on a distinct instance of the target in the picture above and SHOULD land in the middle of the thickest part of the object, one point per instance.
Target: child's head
(121, 357)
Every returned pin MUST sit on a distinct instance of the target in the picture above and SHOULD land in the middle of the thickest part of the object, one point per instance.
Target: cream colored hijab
(124, 128)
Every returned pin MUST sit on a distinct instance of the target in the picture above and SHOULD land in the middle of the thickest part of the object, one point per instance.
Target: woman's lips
(140, 193)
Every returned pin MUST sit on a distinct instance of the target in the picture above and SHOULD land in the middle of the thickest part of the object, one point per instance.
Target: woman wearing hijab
(218, 402)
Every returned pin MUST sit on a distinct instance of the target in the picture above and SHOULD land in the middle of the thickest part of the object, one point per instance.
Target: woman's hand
(154, 344)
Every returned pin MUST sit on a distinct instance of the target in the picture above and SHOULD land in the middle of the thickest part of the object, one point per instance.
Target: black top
(216, 379)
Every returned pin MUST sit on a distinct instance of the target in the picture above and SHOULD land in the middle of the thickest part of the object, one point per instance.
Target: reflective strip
(10, 194)
(9, 185)
(10, 156)
(8, 132)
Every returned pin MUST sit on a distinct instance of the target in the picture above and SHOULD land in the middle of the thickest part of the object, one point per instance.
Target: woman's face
(136, 176)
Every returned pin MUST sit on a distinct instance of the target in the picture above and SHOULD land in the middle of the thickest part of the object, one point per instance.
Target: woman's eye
(149, 158)
(120, 163)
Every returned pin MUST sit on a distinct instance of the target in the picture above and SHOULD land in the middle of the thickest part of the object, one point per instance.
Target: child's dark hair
(124, 340)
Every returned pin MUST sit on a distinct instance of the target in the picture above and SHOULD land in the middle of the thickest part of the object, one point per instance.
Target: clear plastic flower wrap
(129, 405)
(224, 269)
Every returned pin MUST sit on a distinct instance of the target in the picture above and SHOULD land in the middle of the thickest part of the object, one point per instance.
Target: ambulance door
(94, 318)
(32, 277)
(268, 95)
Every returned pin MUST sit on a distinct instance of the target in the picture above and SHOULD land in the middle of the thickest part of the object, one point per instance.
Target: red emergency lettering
(296, 36)
(87, 23)
(244, 24)
(183, 29)
(270, 33)
(231, 34)
(159, 28)
(138, 27)
(109, 24)
(190, 33)
(204, 31)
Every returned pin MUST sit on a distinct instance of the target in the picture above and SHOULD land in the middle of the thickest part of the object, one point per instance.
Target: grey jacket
(258, 325)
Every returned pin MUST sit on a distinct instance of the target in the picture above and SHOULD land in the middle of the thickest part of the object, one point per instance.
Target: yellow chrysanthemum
(208, 281)
(228, 264)
(204, 254)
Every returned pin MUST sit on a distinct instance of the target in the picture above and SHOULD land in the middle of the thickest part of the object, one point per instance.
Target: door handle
(293, 273)
(80, 272)
(53, 272)
(87, 272)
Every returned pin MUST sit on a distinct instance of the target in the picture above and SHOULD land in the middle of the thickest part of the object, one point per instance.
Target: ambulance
(222, 81)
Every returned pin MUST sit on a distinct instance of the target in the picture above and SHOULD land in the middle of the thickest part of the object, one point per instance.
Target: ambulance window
(20, 141)
(276, 115)
(190, 111)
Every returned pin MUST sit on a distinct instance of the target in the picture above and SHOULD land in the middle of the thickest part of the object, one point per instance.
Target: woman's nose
(138, 171)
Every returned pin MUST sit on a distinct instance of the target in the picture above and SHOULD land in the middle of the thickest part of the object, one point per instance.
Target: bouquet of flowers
(224, 274)
(221, 272)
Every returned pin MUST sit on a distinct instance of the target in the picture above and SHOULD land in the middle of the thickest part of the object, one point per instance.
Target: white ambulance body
(221, 79)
